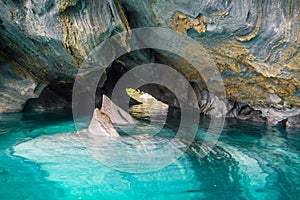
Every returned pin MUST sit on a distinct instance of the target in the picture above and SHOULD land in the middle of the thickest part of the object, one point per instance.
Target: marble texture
(255, 45)
(44, 41)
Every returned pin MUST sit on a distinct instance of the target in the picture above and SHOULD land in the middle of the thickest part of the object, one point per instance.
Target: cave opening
(147, 107)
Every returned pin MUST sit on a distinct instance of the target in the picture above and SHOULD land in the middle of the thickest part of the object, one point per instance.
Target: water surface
(38, 160)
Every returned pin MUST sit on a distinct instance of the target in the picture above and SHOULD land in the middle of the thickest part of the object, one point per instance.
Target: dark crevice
(53, 97)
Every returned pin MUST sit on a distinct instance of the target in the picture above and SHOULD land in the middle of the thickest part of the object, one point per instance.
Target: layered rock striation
(44, 42)
(254, 44)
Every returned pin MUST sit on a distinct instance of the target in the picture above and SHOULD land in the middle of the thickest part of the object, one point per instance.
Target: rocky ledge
(255, 45)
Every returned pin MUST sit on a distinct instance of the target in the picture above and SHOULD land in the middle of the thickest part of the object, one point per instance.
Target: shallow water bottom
(39, 160)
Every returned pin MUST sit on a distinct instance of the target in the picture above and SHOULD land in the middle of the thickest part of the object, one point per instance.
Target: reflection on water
(150, 110)
(250, 161)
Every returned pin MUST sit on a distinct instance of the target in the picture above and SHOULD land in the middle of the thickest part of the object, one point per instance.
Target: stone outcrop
(109, 114)
(255, 45)
(115, 113)
(44, 42)
(293, 121)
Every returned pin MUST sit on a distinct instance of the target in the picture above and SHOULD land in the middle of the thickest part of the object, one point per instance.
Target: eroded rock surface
(44, 42)
(255, 45)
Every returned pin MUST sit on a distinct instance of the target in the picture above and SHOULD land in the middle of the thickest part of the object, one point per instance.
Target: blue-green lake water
(251, 161)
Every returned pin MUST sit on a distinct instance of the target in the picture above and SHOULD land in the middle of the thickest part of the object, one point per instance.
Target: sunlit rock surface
(255, 45)
(102, 120)
(115, 113)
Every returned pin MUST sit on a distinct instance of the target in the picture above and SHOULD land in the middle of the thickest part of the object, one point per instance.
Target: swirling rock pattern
(255, 45)
(44, 41)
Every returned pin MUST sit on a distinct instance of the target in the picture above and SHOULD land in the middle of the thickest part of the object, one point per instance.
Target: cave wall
(44, 41)
(255, 45)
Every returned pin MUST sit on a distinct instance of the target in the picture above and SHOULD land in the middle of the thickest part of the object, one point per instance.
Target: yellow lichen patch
(10, 15)
(271, 90)
(257, 26)
(103, 114)
(204, 19)
(82, 34)
(199, 27)
(245, 92)
(135, 94)
(62, 6)
(232, 49)
(235, 67)
(246, 89)
(293, 100)
(229, 55)
(182, 23)
(263, 78)
(221, 14)
(125, 24)
(246, 78)
(272, 49)
(70, 40)
(122, 15)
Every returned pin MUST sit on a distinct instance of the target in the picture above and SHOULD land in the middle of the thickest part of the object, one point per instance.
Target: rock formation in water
(102, 120)
(44, 42)
(255, 45)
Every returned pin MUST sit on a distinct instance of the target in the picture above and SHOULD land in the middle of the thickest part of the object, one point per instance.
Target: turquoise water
(251, 161)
